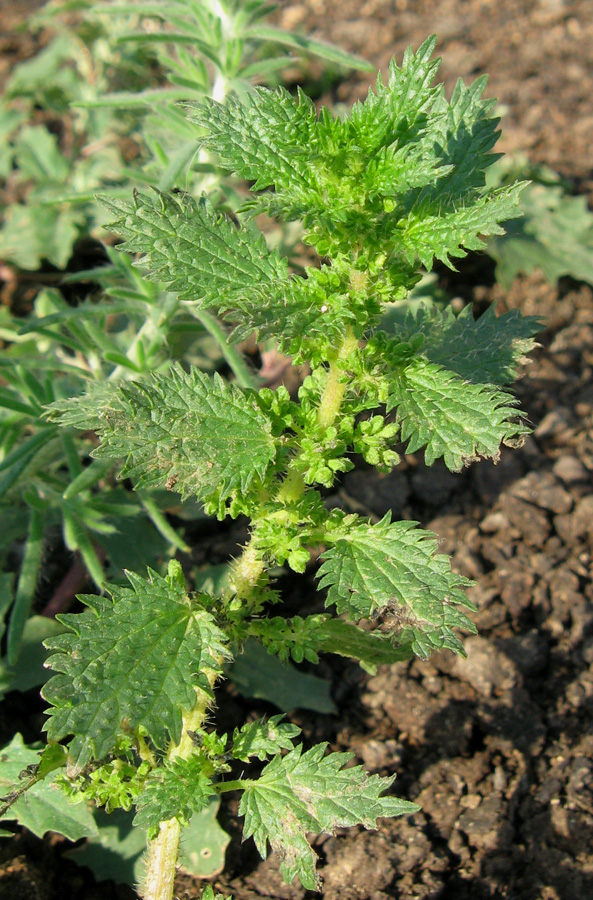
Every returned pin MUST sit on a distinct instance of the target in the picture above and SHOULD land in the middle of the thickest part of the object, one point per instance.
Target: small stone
(380, 754)
(543, 490)
(531, 521)
(570, 470)
(494, 522)
(485, 668)
(516, 589)
(482, 825)
(554, 423)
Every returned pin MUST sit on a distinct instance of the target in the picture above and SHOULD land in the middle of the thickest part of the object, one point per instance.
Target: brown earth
(497, 748)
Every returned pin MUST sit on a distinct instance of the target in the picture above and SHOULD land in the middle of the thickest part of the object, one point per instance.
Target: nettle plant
(397, 183)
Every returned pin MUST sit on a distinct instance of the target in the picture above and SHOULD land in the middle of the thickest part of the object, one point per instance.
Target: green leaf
(466, 132)
(370, 649)
(261, 136)
(256, 673)
(38, 155)
(183, 430)
(26, 585)
(488, 350)
(555, 235)
(203, 843)
(430, 231)
(42, 807)
(177, 789)
(208, 894)
(397, 112)
(198, 252)
(31, 233)
(327, 52)
(393, 567)
(132, 661)
(201, 254)
(116, 852)
(263, 738)
(451, 418)
(303, 792)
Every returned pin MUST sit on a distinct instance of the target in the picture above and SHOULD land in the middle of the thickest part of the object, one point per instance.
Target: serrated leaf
(487, 350)
(182, 429)
(197, 251)
(261, 136)
(304, 792)
(394, 567)
(405, 170)
(201, 254)
(451, 418)
(466, 131)
(430, 231)
(133, 660)
(43, 807)
(177, 789)
(263, 738)
(398, 110)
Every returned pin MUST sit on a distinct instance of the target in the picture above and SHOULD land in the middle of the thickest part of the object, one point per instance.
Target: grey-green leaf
(43, 807)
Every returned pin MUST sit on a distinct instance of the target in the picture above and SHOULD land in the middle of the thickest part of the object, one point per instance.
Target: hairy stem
(335, 389)
(162, 859)
(159, 880)
(245, 572)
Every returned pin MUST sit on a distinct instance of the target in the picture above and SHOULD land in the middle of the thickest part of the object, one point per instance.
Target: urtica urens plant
(394, 185)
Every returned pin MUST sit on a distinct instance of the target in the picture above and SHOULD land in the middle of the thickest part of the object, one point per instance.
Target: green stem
(335, 389)
(245, 571)
(159, 881)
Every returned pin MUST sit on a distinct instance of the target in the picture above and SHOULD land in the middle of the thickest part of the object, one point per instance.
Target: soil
(497, 748)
